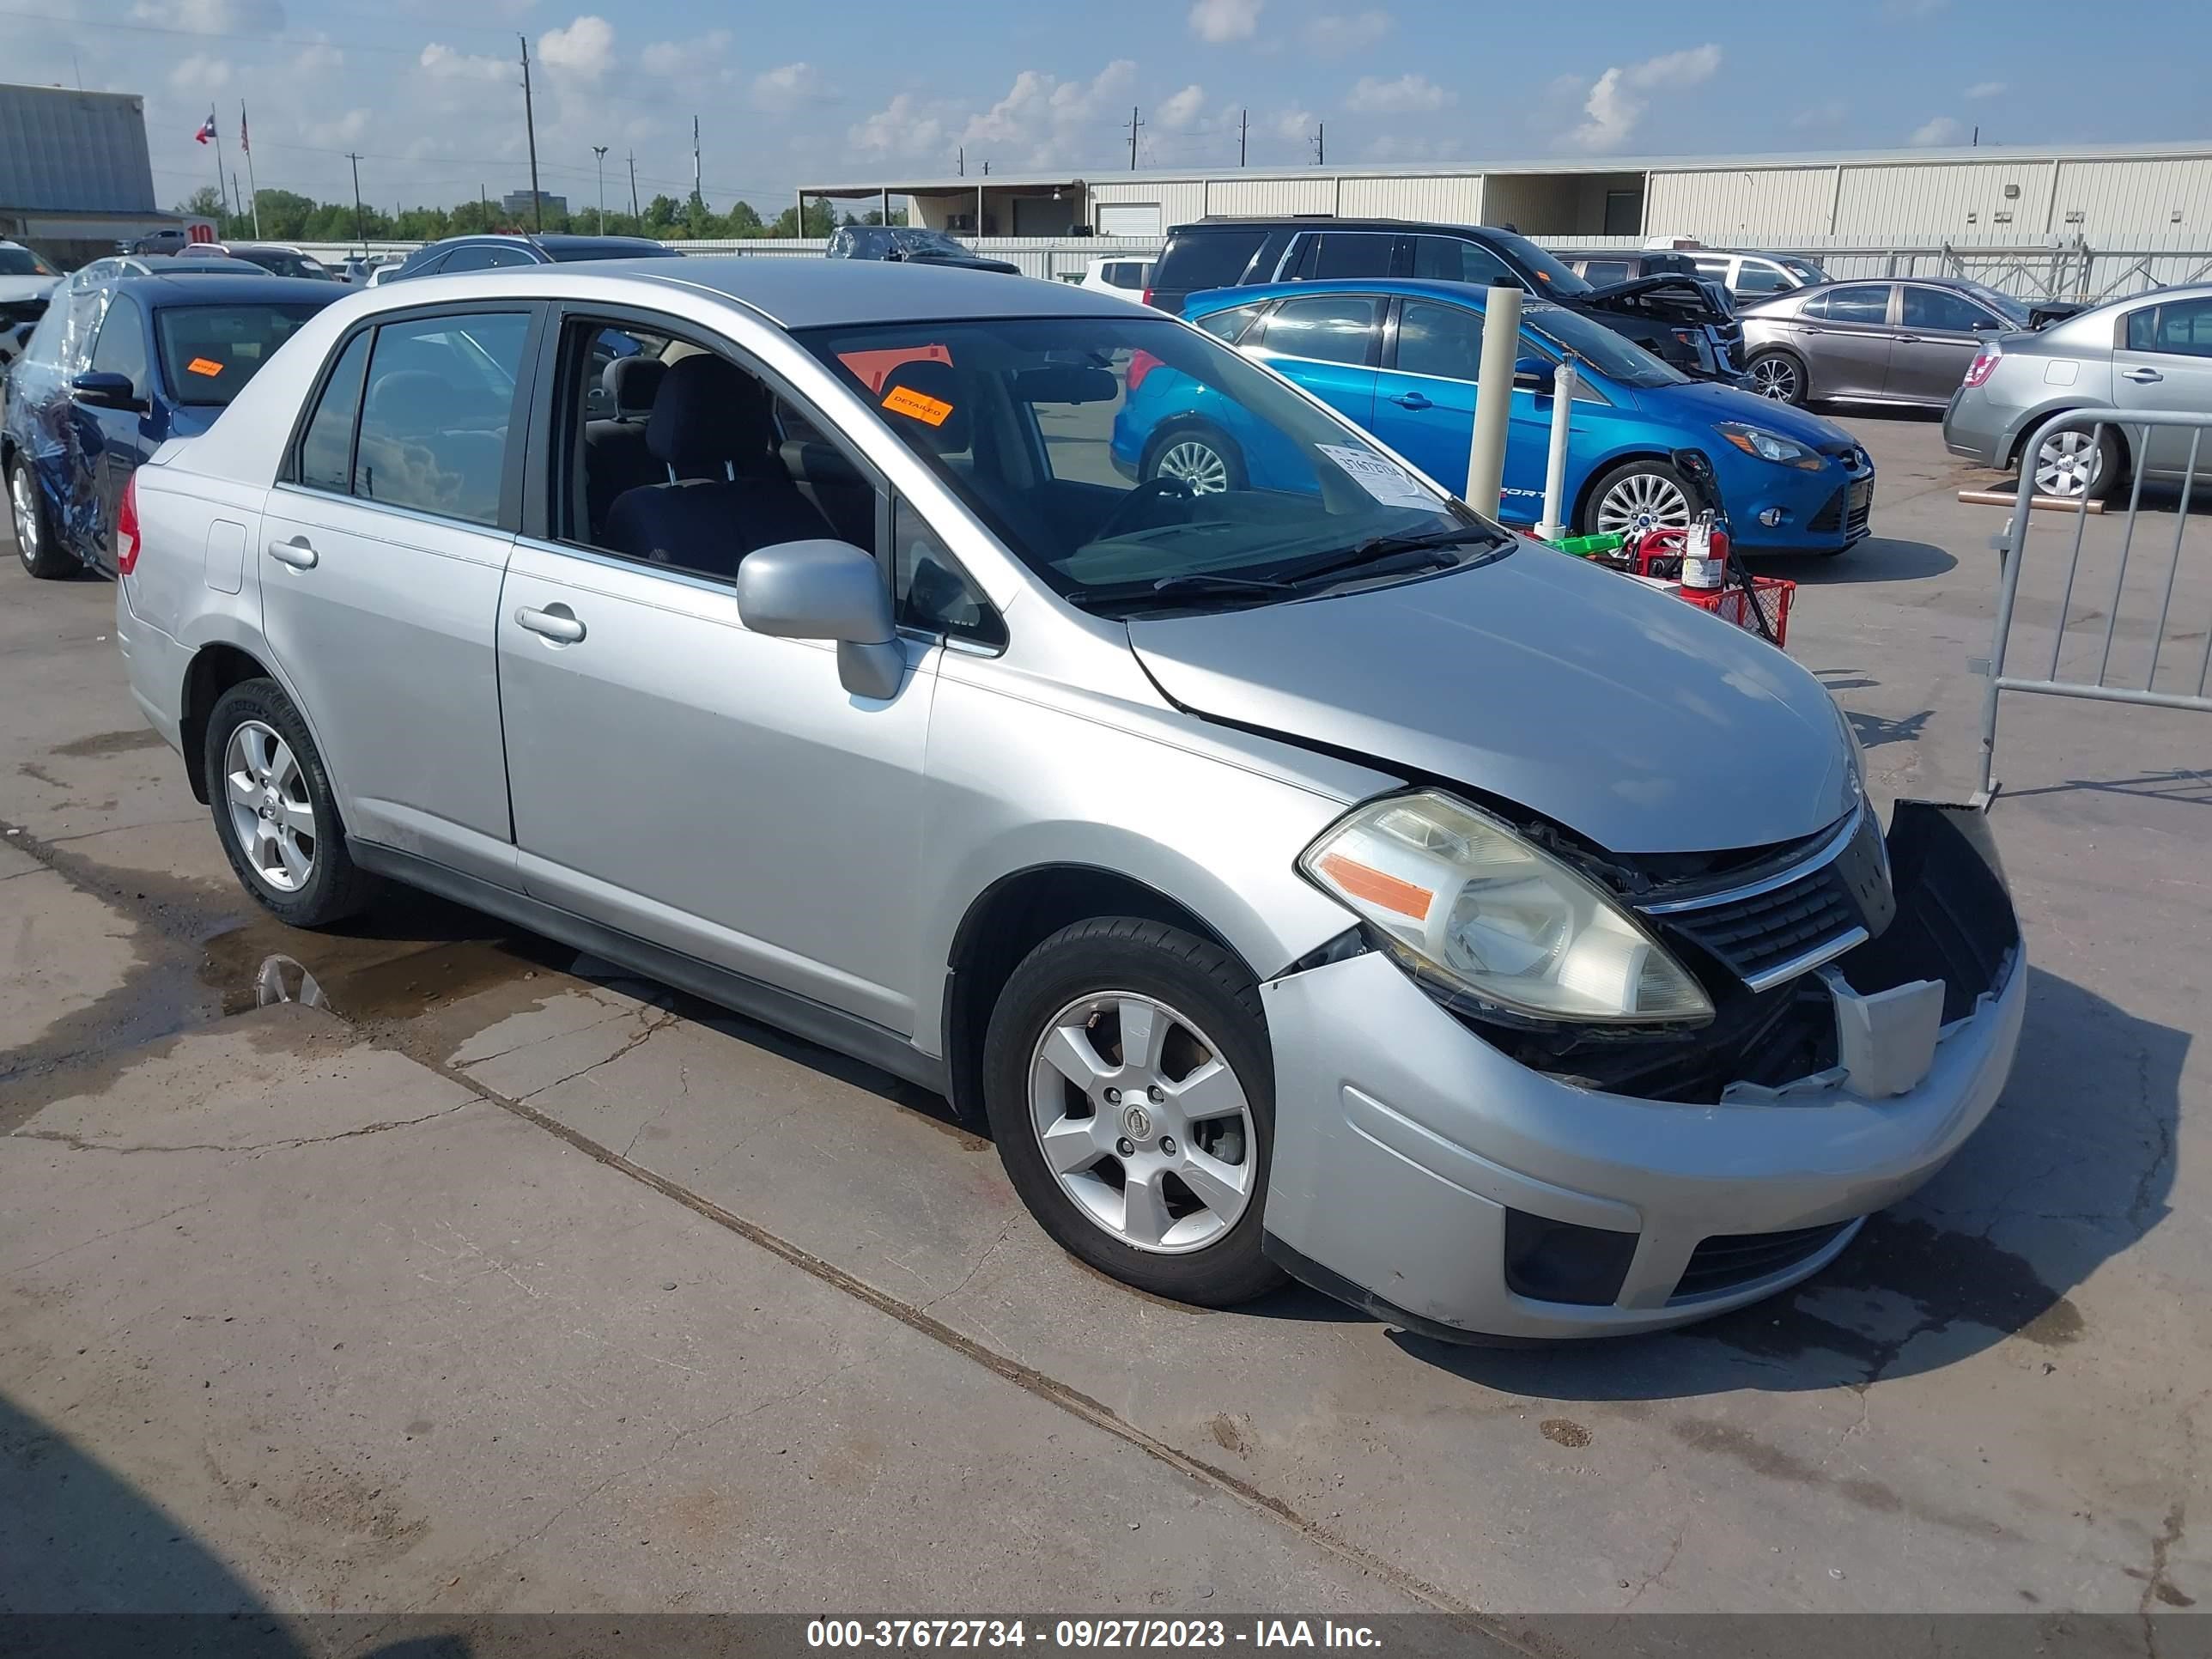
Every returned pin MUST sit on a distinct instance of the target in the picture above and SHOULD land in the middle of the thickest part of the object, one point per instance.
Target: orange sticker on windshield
(204, 366)
(935, 411)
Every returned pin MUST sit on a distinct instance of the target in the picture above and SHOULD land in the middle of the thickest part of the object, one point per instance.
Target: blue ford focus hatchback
(113, 369)
(1400, 358)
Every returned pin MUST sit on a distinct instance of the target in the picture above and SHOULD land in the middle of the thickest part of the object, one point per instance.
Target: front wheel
(35, 545)
(1638, 495)
(1130, 1088)
(1204, 460)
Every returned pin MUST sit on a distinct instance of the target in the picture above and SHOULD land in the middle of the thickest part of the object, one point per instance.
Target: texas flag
(206, 134)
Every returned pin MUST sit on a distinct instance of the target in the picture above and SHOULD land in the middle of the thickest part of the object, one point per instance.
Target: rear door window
(1343, 256)
(1330, 328)
(436, 414)
(1442, 340)
(1210, 259)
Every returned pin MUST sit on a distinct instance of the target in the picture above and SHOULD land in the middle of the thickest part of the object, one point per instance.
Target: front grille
(1830, 515)
(1860, 509)
(1728, 1262)
(1757, 935)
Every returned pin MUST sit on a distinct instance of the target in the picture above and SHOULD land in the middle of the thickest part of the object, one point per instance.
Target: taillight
(1141, 363)
(1984, 366)
(126, 528)
(1148, 296)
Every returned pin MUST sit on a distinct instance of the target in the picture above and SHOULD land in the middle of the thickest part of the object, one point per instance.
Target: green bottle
(1584, 547)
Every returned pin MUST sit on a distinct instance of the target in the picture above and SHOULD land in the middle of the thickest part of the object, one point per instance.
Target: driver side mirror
(1985, 325)
(1534, 374)
(826, 590)
(99, 389)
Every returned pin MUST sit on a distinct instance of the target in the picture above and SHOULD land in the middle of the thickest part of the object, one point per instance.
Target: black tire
(1776, 361)
(336, 887)
(1195, 977)
(1233, 473)
(2108, 463)
(1665, 471)
(52, 561)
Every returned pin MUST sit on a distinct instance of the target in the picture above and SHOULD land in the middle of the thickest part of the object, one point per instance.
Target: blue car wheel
(1198, 456)
(42, 555)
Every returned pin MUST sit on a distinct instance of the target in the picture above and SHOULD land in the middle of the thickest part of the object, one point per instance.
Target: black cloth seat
(710, 417)
(616, 456)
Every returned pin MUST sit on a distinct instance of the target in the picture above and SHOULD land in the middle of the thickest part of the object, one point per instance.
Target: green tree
(661, 214)
(743, 220)
(206, 203)
(283, 213)
(821, 219)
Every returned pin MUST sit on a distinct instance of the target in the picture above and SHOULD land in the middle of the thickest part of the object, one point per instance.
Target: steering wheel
(1159, 489)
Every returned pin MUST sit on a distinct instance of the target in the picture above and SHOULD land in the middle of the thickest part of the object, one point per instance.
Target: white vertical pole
(1493, 399)
(1555, 465)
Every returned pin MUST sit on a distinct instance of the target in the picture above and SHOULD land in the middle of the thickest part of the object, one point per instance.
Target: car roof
(796, 292)
(220, 287)
(570, 240)
(1416, 288)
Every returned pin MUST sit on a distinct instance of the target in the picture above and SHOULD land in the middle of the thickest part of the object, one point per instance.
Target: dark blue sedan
(114, 368)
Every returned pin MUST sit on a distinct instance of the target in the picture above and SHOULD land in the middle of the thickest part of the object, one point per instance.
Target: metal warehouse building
(75, 175)
(2140, 197)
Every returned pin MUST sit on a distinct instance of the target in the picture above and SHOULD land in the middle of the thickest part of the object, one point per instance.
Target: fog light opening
(1773, 516)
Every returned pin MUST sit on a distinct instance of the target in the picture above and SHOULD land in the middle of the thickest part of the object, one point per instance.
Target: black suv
(485, 253)
(1687, 321)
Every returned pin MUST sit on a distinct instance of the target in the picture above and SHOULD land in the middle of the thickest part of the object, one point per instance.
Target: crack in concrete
(1672, 1550)
(648, 1030)
(981, 1262)
(78, 1144)
(2157, 1586)
(112, 1232)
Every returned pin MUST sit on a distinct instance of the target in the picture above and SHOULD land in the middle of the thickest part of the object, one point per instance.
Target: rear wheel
(274, 812)
(1131, 1091)
(2076, 463)
(42, 555)
(1203, 459)
(1779, 375)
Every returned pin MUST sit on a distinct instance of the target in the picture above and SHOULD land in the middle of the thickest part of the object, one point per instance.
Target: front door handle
(2141, 376)
(557, 623)
(1412, 400)
(296, 552)
(1908, 340)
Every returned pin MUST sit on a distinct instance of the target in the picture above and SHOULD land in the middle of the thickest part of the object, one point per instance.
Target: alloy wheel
(1197, 464)
(2068, 465)
(23, 507)
(1641, 500)
(1777, 377)
(270, 813)
(1143, 1123)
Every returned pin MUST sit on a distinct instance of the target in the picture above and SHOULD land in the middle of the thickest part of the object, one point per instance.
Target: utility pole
(600, 151)
(1134, 125)
(360, 225)
(1243, 131)
(962, 164)
(530, 126)
(697, 192)
(633, 186)
(1320, 144)
(987, 169)
(483, 196)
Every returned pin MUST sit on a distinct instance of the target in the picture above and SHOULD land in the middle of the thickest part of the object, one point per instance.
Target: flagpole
(246, 143)
(222, 186)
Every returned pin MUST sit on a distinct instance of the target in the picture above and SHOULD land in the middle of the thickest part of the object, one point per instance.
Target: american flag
(242, 144)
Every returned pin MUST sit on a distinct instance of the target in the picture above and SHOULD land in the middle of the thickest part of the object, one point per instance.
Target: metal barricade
(2137, 427)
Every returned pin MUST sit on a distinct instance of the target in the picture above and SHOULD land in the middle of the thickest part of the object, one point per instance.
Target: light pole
(600, 151)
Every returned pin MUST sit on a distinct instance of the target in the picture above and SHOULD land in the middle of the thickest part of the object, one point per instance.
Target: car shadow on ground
(1877, 559)
(2072, 1167)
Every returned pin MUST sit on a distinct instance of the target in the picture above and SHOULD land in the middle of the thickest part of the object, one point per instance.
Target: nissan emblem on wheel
(1045, 702)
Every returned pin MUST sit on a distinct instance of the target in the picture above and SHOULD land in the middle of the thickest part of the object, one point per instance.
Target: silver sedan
(1308, 878)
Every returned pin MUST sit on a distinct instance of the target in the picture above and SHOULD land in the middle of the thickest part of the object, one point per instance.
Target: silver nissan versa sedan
(1313, 879)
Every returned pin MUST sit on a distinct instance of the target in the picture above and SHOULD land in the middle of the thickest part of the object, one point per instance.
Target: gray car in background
(2151, 352)
(1309, 878)
(1902, 342)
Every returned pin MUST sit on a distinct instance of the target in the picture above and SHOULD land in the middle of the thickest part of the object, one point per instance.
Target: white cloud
(583, 50)
(1334, 33)
(1616, 101)
(317, 57)
(1176, 114)
(1396, 147)
(213, 17)
(1047, 119)
(786, 85)
(675, 58)
(1217, 20)
(1913, 7)
(1985, 89)
(443, 63)
(1827, 114)
(200, 74)
(905, 127)
(1295, 125)
(1941, 131)
(1408, 95)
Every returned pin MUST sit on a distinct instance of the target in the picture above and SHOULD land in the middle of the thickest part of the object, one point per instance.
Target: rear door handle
(295, 552)
(1908, 340)
(557, 623)
(2141, 376)
(1412, 400)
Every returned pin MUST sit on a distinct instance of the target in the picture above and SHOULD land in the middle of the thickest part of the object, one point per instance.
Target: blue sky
(855, 89)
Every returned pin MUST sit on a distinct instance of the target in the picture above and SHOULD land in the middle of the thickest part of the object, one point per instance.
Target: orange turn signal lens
(1377, 887)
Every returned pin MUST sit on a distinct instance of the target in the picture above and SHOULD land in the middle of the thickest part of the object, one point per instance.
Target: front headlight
(1771, 446)
(1464, 899)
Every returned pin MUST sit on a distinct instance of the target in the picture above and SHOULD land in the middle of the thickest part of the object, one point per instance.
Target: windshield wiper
(1376, 548)
(1208, 581)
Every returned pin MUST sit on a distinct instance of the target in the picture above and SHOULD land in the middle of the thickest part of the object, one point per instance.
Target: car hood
(1622, 712)
(1707, 293)
(1708, 401)
(15, 289)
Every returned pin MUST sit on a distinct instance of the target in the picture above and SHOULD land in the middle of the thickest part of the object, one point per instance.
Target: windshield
(1551, 275)
(926, 241)
(1599, 346)
(208, 352)
(1804, 270)
(2013, 310)
(22, 262)
(1134, 464)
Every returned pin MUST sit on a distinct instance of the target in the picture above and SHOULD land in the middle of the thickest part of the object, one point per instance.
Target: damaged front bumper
(1420, 1172)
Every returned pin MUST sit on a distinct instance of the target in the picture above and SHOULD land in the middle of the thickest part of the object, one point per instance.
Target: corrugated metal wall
(1454, 200)
(1179, 199)
(1939, 201)
(1271, 196)
(1756, 205)
(74, 152)
(2136, 202)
